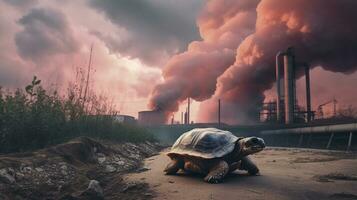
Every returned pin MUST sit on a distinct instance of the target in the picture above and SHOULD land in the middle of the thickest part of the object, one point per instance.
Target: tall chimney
(289, 80)
(278, 86)
(186, 117)
(188, 110)
(308, 94)
(181, 117)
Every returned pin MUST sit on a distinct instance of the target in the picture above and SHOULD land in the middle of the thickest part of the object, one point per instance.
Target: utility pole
(219, 112)
(88, 73)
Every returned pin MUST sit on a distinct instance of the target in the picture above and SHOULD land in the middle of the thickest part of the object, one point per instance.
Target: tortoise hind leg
(174, 166)
(217, 172)
(248, 165)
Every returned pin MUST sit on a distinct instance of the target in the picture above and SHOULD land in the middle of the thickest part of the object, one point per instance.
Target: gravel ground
(286, 173)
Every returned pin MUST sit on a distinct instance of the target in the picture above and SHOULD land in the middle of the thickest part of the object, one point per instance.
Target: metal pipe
(278, 86)
(289, 86)
(352, 127)
(308, 93)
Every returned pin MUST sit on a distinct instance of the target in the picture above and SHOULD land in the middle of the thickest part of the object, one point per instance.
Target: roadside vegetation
(33, 118)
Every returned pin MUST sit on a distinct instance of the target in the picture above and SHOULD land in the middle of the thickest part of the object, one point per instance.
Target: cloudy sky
(132, 41)
(135, 43)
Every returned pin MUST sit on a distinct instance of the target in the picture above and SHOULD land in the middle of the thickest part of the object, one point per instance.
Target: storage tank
(149, 118)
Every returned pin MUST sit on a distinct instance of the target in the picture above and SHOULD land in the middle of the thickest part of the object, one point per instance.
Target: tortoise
(214, 153)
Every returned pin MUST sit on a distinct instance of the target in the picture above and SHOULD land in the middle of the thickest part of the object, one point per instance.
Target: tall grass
(34, 118)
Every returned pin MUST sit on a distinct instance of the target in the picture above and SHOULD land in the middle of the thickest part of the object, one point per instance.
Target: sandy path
(286, 174)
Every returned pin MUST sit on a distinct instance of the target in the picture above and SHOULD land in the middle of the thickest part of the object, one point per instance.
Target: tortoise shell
(206, 143)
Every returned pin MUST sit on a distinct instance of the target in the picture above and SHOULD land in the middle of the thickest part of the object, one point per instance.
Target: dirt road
(285, 174)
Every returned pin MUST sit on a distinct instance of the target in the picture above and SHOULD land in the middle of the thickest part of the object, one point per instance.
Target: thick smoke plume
(223, 25)
(321, 31)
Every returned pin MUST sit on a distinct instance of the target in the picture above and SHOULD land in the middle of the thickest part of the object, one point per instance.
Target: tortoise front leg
(248, 165)
(234, 166)
(217, 172)
(173, 166)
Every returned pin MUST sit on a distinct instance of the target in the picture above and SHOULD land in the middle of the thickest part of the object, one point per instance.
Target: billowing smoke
(223, 25)
(321, 31)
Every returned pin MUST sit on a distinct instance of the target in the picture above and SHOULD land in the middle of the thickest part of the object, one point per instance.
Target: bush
(35, 118)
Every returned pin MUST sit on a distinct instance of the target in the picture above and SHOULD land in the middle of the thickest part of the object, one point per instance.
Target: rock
(64, 167)
(26, 169)
(6, 177)
(94, 191)
(120, 162)
(64, 172)
(148, 194)
(143, 169)
(110, 168)
(11, 171)
(101, 160)
(49, 182)
(129, 186)
(39, 169)
(94, 185)
(19, 175)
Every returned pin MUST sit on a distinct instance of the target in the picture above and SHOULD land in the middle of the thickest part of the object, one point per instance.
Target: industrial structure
(292, 125)
(320, 114)
(286, 109)
(150, 118)
(124, 119)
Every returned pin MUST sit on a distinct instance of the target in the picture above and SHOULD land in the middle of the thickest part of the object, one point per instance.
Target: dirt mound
(80, 150)
(65, 171)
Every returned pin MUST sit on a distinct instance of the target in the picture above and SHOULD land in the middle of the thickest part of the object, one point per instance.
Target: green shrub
(35, 118)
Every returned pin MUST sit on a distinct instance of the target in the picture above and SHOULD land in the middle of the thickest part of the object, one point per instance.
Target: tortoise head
(251, 145)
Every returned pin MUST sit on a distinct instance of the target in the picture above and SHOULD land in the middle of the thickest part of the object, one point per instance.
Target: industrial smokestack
(308, 94)
(233, 58)
(186, 117)
(181, 117)
(278, 86)
(289, 85)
